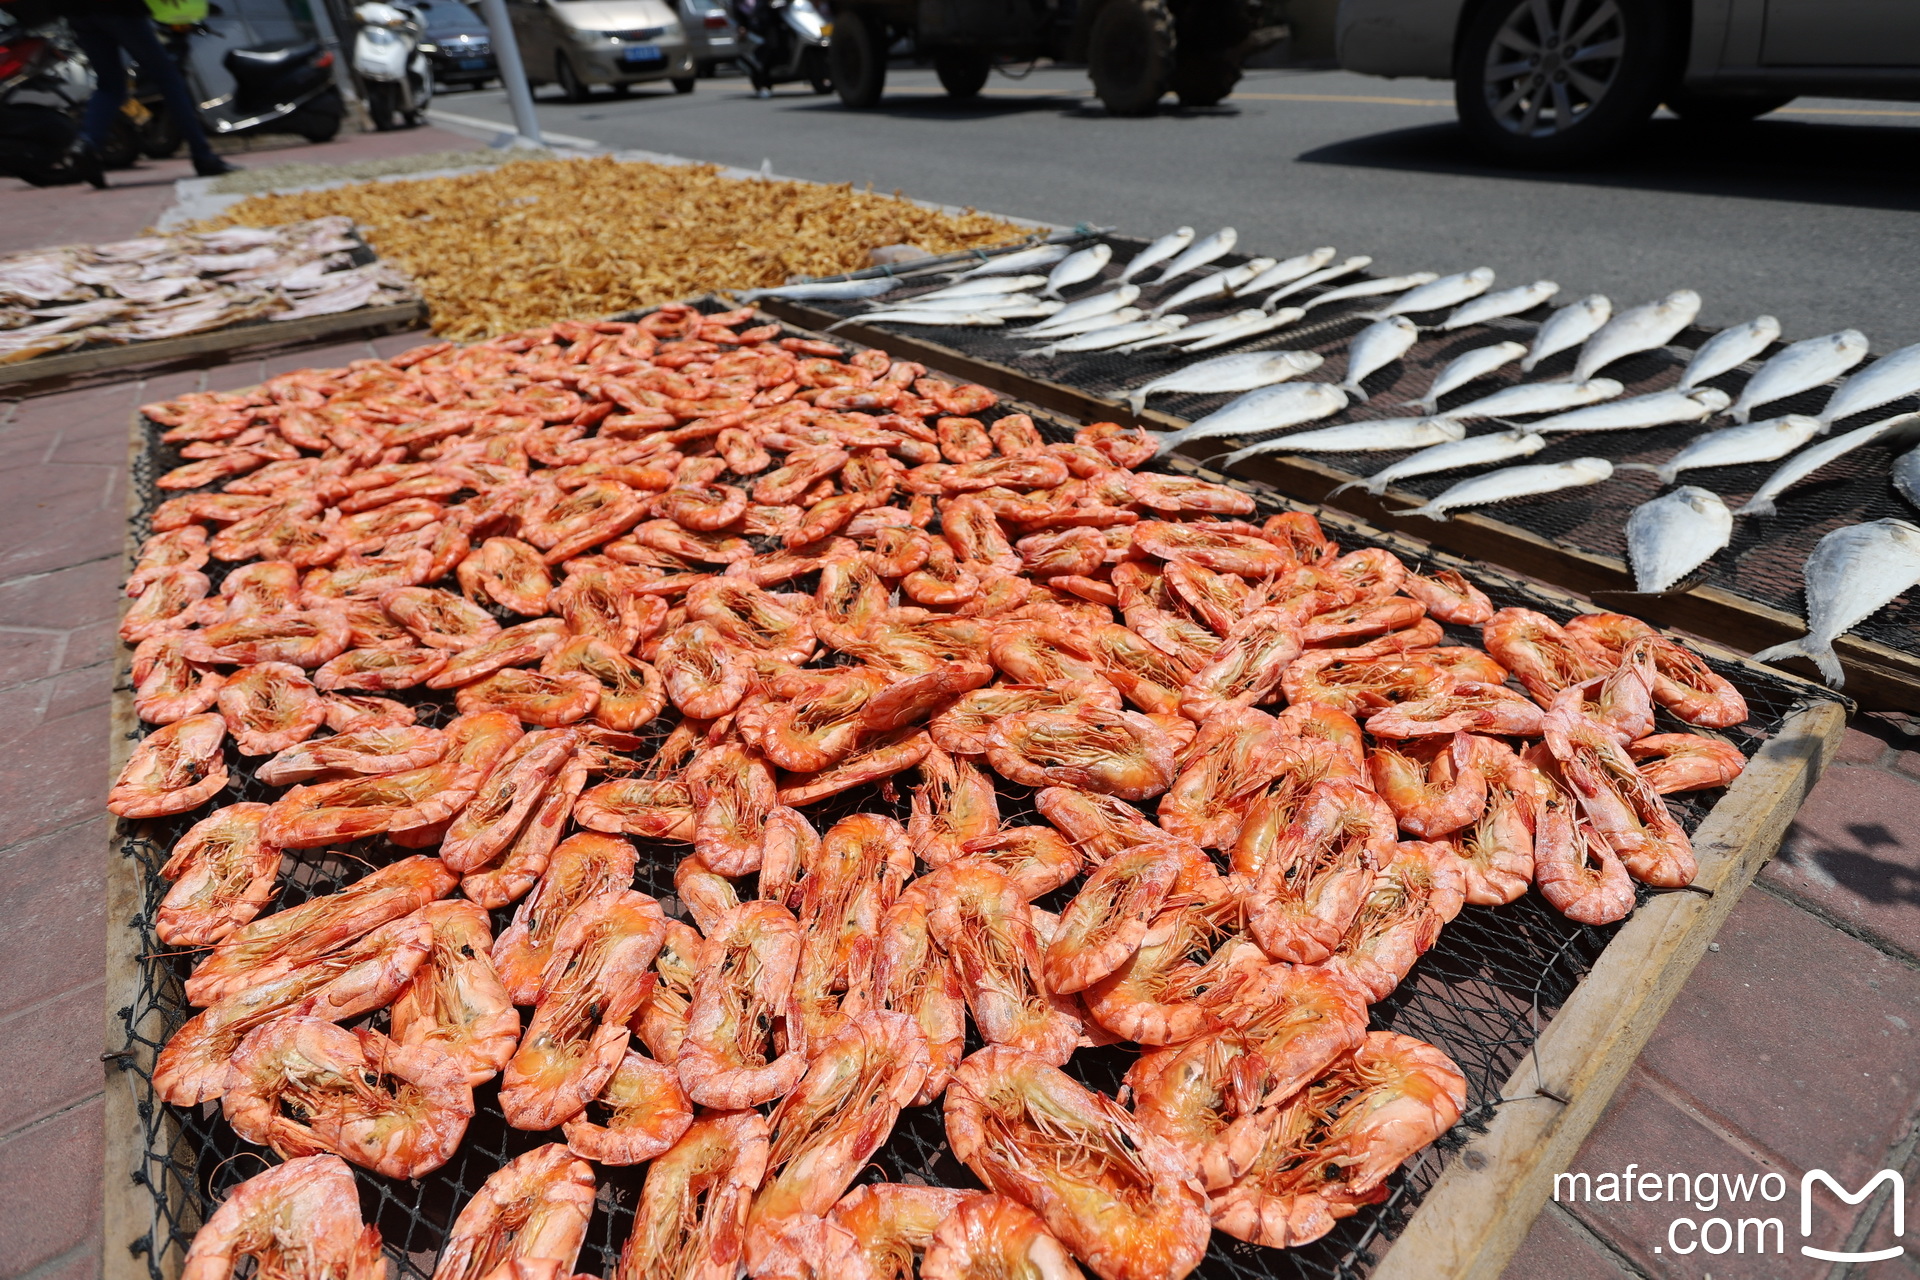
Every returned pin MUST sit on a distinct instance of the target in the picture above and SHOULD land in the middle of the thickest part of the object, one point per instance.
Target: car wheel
(1543, 83)
(857, 57)
(963, 72)
(683, 84)
(572, 87)
(1719, 110)
(1204, 80)
(1130, 55)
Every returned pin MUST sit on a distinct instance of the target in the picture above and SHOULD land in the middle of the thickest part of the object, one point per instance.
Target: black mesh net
(1484, 992)
(1765, 559)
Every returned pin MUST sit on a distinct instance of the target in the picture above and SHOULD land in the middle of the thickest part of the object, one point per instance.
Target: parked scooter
(44, 87)
(388, 59)
(276, 89)
(782, 41)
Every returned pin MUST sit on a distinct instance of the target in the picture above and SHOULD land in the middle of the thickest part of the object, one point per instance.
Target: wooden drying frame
(1879, 676)
(1471, 1221)
(215, 342)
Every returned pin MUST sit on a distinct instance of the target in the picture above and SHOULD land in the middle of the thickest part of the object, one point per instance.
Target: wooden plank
(1474, 1218)
(131, 1207)
(276, 333)
(1879, 677)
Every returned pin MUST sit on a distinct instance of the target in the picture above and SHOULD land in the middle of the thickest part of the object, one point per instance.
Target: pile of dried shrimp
(534, 241)
(985, 603)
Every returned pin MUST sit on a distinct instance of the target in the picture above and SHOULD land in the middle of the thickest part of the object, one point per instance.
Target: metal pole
(322, 11)
(506, 52)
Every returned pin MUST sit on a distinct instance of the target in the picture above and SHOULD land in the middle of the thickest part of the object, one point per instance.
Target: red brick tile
(50, 1055)
(1557, 1248)
(1906, 762)
(1643, 1128)
(1854, 852)
(24, 706)
(50, 1189)
(1880, 1235)
(54, 774)
(333, 356)
(60, 533)
(28, 655)
(65, 598)
(53, 927)
(1857, 747)
(1802, 1037)
(165, 386)
(91, 645)
(393, 344)
(80, 689)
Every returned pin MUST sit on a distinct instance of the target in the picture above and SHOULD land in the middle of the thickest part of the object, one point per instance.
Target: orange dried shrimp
(709, 577)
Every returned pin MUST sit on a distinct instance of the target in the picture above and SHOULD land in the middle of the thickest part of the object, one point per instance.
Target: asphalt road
(1807, 214)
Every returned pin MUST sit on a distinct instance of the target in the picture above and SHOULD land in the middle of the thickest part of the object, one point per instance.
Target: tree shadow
(1775, 158)
(1857, 867)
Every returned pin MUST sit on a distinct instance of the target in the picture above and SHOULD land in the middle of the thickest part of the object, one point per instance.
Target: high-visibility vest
(178, 13)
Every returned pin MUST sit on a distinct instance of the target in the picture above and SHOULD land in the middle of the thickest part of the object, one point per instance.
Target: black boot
(211, 166)
(84, 161)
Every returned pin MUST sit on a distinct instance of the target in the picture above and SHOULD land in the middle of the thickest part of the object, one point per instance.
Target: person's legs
(95, 36)
(137, 37)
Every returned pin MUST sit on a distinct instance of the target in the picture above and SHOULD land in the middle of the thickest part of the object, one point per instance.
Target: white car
(578, 44)
(1556, 80)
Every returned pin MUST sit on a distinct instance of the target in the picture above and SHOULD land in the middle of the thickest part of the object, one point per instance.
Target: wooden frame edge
(1471, 1222)
(128, 1205)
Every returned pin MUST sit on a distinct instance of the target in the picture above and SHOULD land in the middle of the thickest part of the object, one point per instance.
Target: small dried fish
(1282, 272)
(1445, 292)
(1205, 329)
(1729, 349)
(1732, 446)
(1013, 264)
(1107, 339)
(910, 315)
(1086, 324)
(1802, 465)
(1801, 367)
(1379, 435)
(1244, 372)
(1891, 378)
(1474, 451)
(1852, 573)
(1661, 408)
(984, 287)
(827, 291)
(1078, 268)
(1359, 262)
(1375, 347)
(1372, 288)
(1157, 252)
(1099, 304)
(1671, 536)
(1570, 326)
(1467, 367)
(1250, 328)
(1213, 286)
(1268, 409)
(1217, 245)
(1538, 397)
(1494, 306)
(1516, 482)
(1641, 328)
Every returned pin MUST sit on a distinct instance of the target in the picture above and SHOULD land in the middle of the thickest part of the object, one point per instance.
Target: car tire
(683, 84)
(1205, 80)
(1717, 110)
(1130, 55)
(572, 87)
(857, 57)
(963, 72)
(1523, 101)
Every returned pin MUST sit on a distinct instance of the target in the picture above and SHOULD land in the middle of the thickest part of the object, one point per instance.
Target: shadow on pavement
(1869, 166)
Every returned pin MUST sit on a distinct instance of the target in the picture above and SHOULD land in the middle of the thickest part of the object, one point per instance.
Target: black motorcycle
(276, 89)
(782, 41)
(44, 87)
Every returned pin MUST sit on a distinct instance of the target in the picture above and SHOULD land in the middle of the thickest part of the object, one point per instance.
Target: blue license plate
(472, 64)
(643, 53)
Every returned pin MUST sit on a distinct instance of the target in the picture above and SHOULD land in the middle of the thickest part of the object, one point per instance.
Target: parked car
(1555, 80)
(711, 32)
(458, 43)
(578, 44)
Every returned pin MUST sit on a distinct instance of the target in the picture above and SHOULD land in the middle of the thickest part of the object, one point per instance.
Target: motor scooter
(282, 88)
(44, 87)
(390, 63)
(782, 41)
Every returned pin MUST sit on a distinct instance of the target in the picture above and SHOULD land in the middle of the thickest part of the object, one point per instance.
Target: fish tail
(1353, 388)
(1757, 507)
(1427, 405)
(837, 323)
(1351, 484)
(1821, 655)
(1428, 511)
(1136, 401)
(1740, 414)
(1526, 366)
(1644, 466)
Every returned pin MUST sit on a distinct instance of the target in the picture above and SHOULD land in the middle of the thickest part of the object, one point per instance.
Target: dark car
(457, 43)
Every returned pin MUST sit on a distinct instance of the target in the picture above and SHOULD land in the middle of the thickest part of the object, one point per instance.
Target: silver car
(578, 44)
(1557, 80)
(711, 31)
